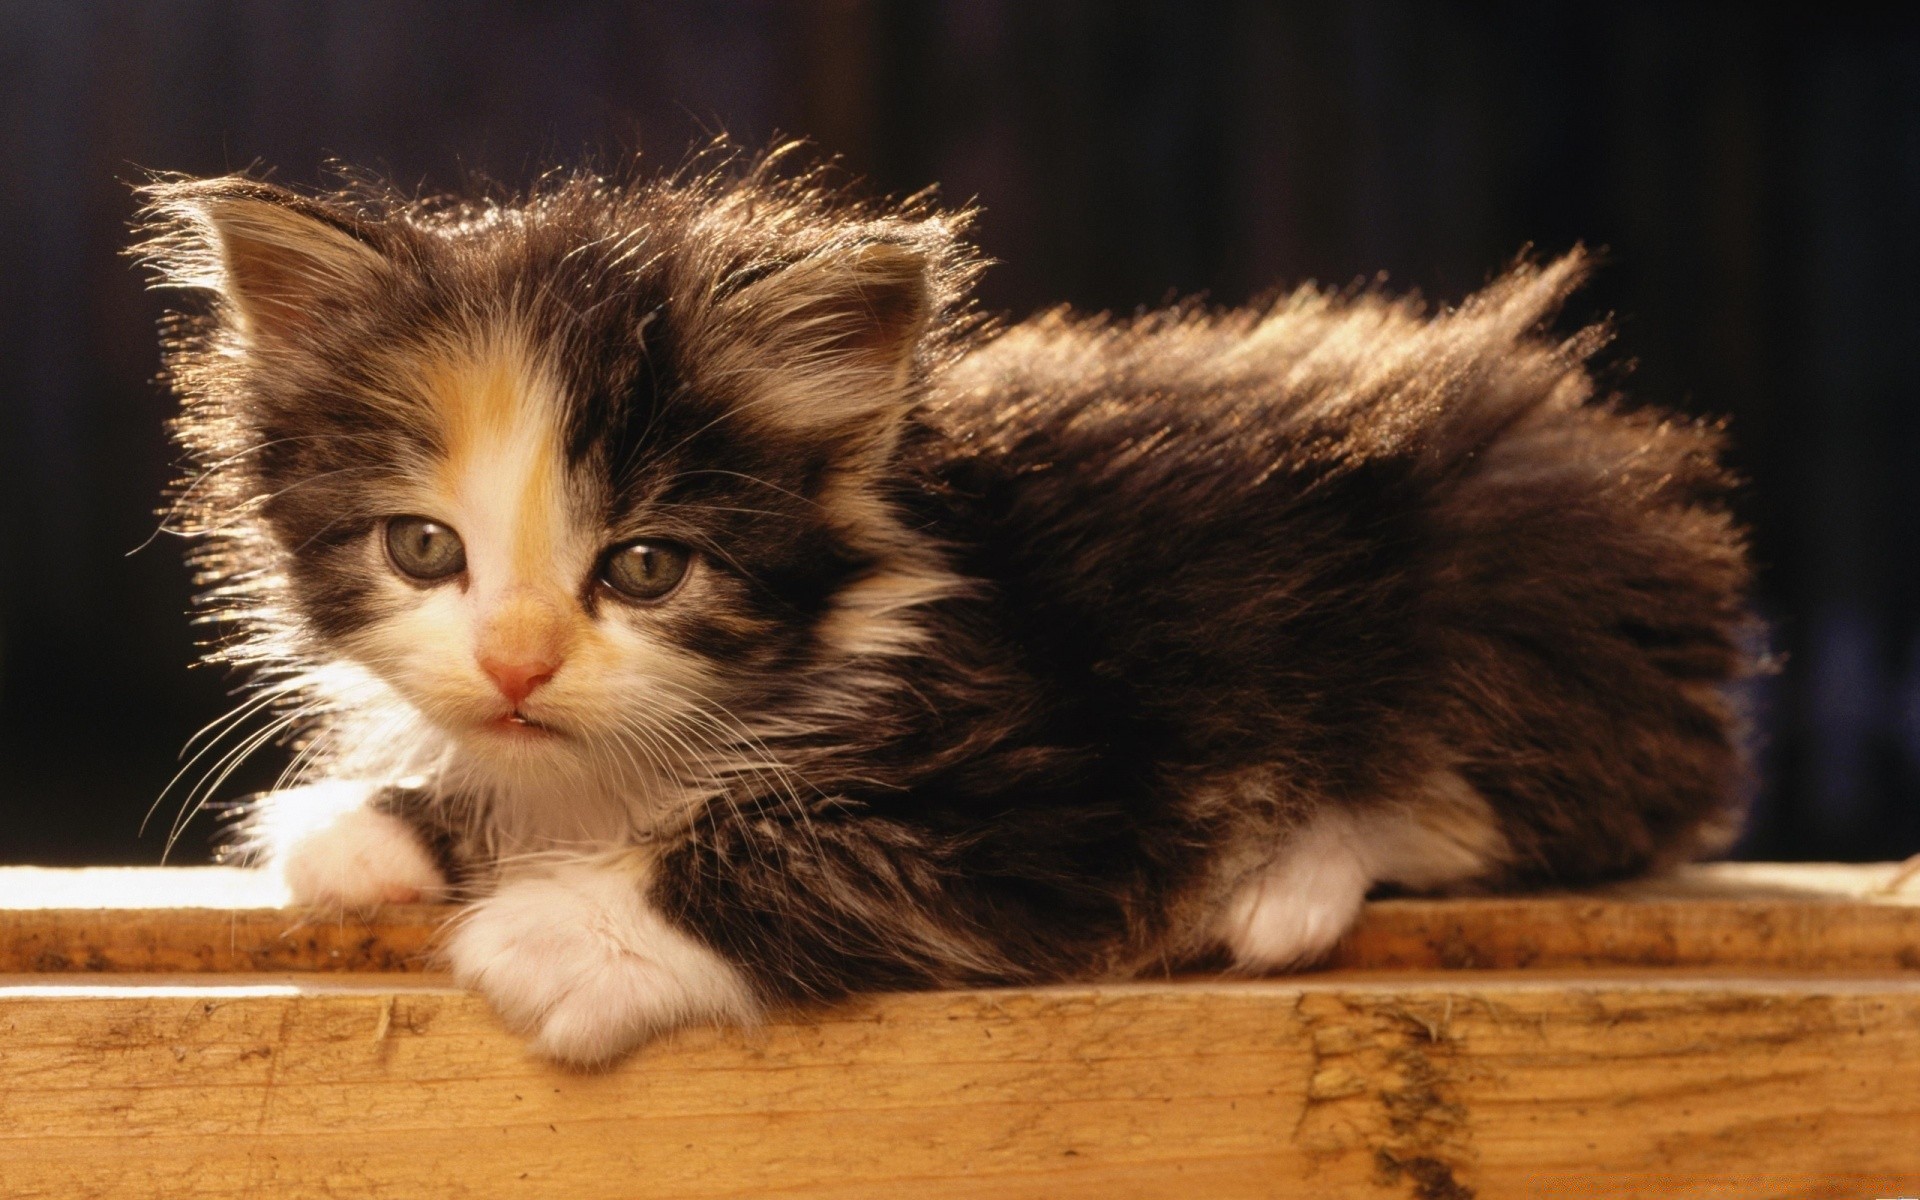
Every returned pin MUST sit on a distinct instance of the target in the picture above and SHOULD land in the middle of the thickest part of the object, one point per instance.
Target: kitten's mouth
(517, 724)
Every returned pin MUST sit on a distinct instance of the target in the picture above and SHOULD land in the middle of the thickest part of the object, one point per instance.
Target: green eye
(646, 570)
(424, 550)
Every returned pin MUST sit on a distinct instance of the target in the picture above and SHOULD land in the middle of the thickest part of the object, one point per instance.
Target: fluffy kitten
(681, 573)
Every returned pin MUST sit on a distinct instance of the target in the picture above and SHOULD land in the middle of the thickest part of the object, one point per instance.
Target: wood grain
(1436, 1086)
(1761, 916)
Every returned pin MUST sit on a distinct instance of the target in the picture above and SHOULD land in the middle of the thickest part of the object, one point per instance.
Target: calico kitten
(680, 572)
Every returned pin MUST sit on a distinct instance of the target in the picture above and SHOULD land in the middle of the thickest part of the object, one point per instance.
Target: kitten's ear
(839, 330)
(273, 255)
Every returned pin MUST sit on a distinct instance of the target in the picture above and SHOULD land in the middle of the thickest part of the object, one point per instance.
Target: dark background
(1755, 181)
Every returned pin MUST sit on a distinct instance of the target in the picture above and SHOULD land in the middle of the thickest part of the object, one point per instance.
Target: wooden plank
(111, 919)
(1757, 916)
(1590, 931)
(1441, 1086)
(1830, 917)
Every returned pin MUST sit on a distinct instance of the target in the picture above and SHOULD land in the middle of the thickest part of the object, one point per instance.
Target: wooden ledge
(1742, 1031)
(1770, 916)
(1439, 1086)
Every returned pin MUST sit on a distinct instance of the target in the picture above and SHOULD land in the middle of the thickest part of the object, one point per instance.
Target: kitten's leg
(594, 957)
(346, 844)
(1295, 909)
(575, 955)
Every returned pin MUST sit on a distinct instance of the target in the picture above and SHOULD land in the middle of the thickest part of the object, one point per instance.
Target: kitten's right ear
(273, 255)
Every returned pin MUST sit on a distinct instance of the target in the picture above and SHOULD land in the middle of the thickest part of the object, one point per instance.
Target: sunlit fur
(1079, 647)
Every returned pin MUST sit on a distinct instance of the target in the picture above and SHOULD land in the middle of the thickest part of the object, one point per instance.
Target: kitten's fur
(1079, 648)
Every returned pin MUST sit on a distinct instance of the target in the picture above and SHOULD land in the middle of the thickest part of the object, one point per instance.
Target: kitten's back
(1368, 545)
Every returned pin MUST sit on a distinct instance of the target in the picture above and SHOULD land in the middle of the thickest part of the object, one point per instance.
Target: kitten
(684, 574)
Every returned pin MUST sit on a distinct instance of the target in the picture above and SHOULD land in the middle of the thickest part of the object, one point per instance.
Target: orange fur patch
(503, 482)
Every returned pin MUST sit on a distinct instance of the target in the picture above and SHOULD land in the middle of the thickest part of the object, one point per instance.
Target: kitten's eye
(646, 570)
(424, 550)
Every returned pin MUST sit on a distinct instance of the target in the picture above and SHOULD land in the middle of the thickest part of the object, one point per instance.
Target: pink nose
(516, 680)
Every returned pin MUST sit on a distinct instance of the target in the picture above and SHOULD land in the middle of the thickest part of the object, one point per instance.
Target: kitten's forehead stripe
(503, 472)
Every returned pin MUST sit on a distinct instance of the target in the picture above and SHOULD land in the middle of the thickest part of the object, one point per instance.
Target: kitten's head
(578, 478)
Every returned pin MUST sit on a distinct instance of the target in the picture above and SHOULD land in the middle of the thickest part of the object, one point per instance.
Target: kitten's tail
(1499, 366)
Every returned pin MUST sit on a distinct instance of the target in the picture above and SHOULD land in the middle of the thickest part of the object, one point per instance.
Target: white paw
(575, 957)
(1293, 912)
(335, 852)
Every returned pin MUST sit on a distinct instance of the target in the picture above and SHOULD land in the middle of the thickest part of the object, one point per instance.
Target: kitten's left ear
(835, 333)
(273, 255)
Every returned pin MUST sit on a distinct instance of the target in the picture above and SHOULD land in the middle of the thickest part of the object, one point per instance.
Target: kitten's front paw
(335, 852)
(576, 957)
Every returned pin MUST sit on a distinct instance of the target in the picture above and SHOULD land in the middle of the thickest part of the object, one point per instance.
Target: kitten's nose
(516, 679)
